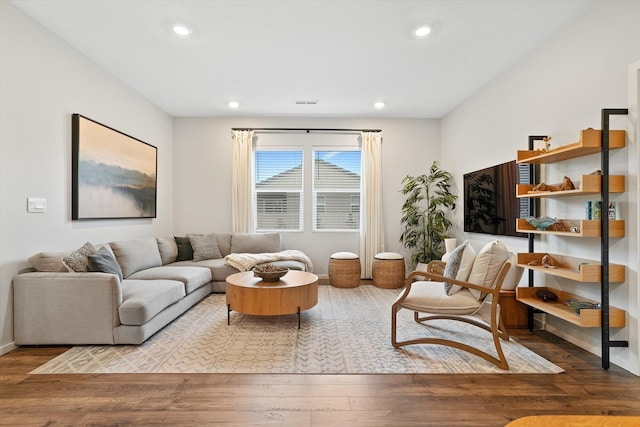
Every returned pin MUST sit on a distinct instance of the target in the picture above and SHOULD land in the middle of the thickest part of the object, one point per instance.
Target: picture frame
(114, 175)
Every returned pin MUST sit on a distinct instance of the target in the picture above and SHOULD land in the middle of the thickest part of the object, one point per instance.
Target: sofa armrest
(65, 308)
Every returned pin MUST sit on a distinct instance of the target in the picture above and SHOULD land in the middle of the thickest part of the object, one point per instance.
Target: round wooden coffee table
(294, 292)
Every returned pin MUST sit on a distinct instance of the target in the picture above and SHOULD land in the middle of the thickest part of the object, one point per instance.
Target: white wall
(558, 90)
(42, 82)
(202, 171)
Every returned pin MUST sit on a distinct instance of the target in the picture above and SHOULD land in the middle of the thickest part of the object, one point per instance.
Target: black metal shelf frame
(606, 341)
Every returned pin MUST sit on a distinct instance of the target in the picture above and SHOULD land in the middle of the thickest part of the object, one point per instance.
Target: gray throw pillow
(185, 251)
(452, 267)
(78, 260)
(205, 246)
(104, 261)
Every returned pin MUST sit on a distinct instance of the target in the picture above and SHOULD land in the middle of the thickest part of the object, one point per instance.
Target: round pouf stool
(388, 270)
(344, 270)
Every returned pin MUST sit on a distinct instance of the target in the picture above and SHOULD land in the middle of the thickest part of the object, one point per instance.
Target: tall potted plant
(424, 213)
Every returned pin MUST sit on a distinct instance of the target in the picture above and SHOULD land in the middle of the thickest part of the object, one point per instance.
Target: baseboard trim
(7, 348)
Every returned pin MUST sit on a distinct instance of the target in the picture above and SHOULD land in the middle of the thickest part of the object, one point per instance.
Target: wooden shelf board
(588, 318)
(589, 184)
(588, 228)
(572, 268)
(590, 143)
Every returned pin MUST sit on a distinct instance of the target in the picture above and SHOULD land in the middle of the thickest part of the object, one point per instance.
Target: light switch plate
(36, 205)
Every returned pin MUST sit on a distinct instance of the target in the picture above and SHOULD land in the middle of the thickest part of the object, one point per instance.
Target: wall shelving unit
(578, 269)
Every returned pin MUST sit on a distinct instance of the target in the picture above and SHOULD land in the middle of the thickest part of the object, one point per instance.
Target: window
(278, 189)
(336, 190)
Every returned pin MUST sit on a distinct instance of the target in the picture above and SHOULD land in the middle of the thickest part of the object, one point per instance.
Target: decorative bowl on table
(269, 272)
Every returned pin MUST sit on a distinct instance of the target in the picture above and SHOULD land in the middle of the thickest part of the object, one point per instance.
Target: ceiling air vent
(306, 102)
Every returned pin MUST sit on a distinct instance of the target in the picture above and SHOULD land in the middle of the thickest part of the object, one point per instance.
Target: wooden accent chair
(427, 295)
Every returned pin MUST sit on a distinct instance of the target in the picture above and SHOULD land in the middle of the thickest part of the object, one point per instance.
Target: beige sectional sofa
(126, 292)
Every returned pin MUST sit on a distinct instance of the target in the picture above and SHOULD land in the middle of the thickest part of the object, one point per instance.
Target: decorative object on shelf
(548, 262)
(547, 143)
(613, 211)
(449, 246)
(580, 305)
(596, 209)
(541, 223)
(269, 272)
(424, 213)
(596, 172)
(567, 184)
(546, 296)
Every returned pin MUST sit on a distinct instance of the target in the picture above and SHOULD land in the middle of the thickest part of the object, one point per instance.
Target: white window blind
(336, 190)
(278, 190)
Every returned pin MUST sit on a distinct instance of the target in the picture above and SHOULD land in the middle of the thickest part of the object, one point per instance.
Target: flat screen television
(490, 203)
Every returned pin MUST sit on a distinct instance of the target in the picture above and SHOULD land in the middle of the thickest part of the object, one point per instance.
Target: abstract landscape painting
(114, 174)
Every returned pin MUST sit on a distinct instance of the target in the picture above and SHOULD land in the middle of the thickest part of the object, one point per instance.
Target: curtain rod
(309, 129)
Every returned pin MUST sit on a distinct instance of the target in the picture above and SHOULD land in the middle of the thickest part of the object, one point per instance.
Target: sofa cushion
(487, 265)
(224, 243)
(219, 270)
(433, 297)
(78, 260)
(136, 255)
(191, 277)
(168, 249)
(48, 261)
(205, 246)
(105, 262)
(185, 251)
(143, 299)
(255, 243)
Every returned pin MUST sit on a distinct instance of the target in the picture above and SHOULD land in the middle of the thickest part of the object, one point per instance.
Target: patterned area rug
(348, 332)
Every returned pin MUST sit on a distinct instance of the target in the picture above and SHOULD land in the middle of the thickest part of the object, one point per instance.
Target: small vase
(449, 246)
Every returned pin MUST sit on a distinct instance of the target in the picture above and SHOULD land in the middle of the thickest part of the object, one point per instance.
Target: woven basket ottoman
(388, 270)
(344, 270)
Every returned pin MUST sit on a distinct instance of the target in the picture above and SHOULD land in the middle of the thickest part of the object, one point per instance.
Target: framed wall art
(113, 174)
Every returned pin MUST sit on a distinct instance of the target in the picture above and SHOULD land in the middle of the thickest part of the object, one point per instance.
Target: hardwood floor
(314, 400)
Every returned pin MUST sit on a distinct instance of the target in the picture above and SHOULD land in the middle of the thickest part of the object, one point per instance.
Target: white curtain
(372, 231)
(241, 183)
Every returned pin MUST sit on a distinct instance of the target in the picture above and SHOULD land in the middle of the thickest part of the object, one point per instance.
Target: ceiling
(268, 54)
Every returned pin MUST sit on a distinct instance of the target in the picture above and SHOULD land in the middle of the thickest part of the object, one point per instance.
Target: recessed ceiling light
(233, 104)
(422, 31)
(181, 30)
(379, 105)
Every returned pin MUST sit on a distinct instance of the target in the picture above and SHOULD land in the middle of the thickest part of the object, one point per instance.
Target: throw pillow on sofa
(78, 260)
(205, 246)
(185, 251)
(49, 261)
(104, 261)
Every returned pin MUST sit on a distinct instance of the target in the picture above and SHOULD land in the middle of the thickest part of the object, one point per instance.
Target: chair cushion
(388, 256)
(344, 255)
(143, 299)
(464, 255)
(486, 266)
(431, 297)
